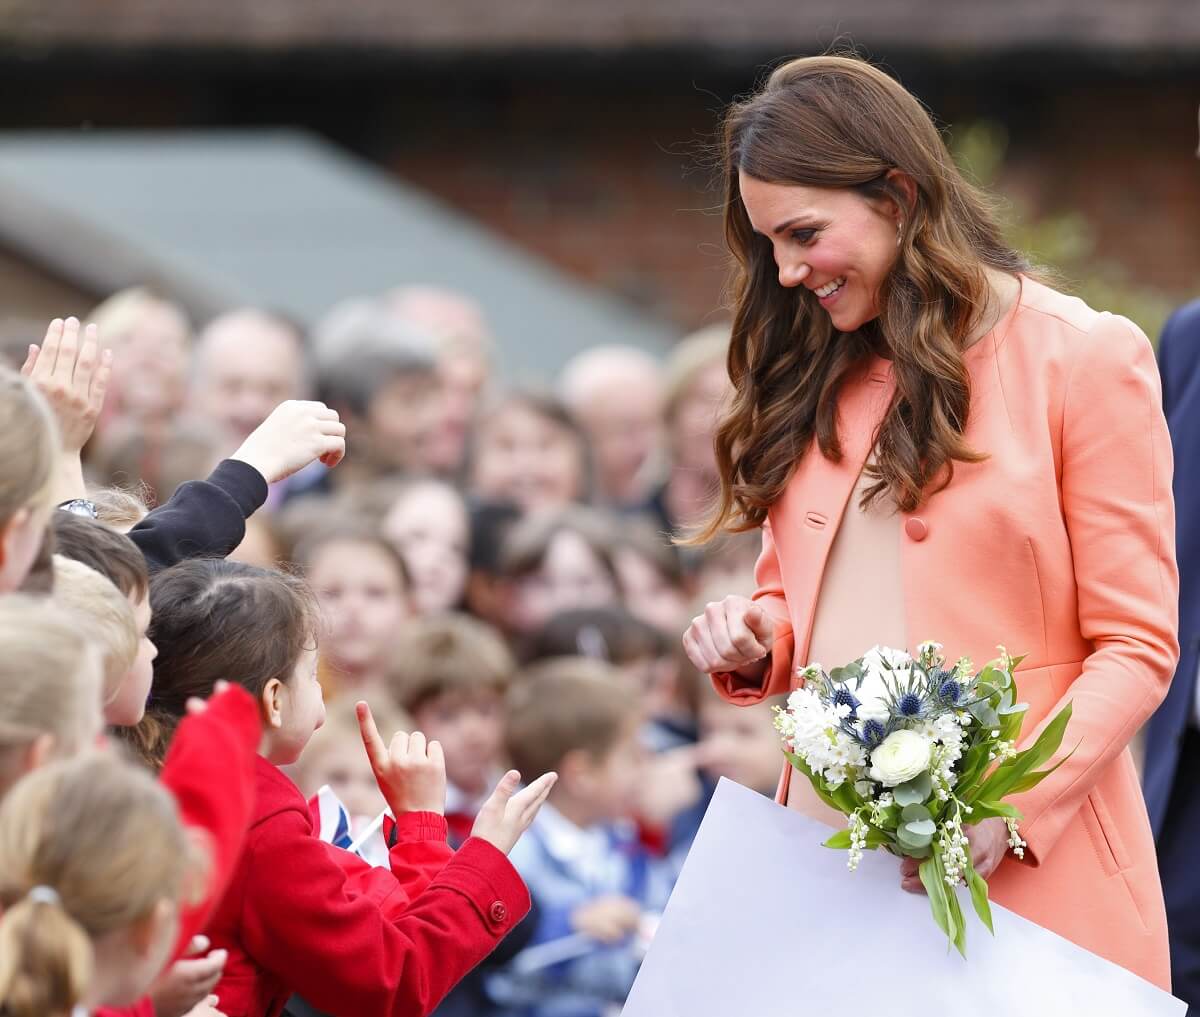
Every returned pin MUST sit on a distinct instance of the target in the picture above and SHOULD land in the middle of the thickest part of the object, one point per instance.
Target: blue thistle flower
(842, 696)
(872, 733)
(909, 705)
(949, 689)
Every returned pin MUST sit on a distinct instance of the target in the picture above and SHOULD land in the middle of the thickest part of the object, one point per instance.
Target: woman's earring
(899, 232)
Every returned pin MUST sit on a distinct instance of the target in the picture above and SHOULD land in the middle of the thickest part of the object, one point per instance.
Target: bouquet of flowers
(911, 751)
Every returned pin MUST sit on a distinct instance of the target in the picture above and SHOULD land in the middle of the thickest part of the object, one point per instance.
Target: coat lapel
(807, 517)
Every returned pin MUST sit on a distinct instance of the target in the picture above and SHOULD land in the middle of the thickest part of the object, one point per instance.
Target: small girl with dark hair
(296, 918)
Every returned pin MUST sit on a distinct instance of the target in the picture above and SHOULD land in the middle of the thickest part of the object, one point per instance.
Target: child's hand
(73, 376)
(505, 815)
(186, 983)
(206, 1008)
(607, 919)
(293, 436)
(411, 774)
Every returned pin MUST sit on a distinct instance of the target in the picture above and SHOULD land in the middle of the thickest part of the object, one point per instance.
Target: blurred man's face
(622, 419)
(247, 366)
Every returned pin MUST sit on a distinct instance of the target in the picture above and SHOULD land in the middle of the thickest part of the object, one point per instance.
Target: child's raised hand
(296, 433)
(186, 984)
(506, 815)
(410, 773)
(607, 919)
(73, 376)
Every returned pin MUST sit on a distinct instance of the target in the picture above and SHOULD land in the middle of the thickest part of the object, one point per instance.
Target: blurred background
(568, 136)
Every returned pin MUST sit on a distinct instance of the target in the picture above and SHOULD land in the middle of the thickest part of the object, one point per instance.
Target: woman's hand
(989, 844)
(734, 634)
(410, 773)
(508, 812)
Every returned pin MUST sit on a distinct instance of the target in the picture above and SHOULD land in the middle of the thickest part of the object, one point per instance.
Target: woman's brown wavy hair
(838, 122)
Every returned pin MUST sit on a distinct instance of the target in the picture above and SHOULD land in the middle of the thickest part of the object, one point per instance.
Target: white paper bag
(765, 922)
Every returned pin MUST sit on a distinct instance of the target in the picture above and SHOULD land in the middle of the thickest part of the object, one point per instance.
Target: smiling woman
(933, 441)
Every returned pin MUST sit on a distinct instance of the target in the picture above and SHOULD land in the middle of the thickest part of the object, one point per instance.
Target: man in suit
(1171, 774)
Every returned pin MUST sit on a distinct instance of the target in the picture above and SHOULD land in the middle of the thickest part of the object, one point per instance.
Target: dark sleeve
(204, 518)
(1178, 353)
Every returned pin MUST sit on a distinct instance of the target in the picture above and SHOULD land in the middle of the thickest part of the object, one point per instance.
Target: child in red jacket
(296, 919)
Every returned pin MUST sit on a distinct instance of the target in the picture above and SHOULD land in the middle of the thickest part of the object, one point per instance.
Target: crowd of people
(249, 569)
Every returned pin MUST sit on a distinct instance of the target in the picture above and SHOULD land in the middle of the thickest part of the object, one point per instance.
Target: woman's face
(834, 242)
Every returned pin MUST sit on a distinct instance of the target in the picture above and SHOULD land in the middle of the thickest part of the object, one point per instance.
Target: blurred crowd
(494, 566)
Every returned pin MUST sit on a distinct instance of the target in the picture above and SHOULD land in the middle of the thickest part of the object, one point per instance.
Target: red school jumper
(209, 770)
(294, 920)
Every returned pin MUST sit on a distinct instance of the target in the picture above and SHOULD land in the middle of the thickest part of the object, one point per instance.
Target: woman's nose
(792, 272)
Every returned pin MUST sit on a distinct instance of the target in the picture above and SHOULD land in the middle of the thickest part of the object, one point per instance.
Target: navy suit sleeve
(204, 518)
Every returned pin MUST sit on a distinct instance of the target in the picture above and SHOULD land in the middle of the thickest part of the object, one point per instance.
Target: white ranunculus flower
(902, 756)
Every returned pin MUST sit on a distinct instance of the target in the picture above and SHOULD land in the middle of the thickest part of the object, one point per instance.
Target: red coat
(210, 771)
(374, 944)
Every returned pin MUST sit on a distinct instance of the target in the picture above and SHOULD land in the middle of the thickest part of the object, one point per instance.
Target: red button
(916, 528)
(499, 912)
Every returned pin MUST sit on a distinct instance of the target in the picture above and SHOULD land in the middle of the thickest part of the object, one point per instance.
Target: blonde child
(94, 867)
(105, 619)
(451, 673)
(50, 687)
(297, 919)
(364, 594)
(29, 462)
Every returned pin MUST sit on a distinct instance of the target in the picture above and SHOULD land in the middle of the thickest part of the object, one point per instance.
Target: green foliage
(1063, 241)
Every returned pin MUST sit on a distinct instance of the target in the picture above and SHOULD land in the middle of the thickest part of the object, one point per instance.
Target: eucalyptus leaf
(920, 828)
(912, 841)
(913, 792)
(913, 813)
(986, 714)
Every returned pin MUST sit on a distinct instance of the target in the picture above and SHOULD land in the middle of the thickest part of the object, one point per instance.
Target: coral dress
(1061, 545)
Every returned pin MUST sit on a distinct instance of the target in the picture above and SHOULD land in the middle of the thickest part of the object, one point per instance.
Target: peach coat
(1059, 545)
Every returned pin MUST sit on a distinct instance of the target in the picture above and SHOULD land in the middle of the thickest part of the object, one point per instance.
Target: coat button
(916, 528)
(499, 912)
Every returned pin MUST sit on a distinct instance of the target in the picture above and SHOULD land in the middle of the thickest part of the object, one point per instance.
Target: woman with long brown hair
(936, 445)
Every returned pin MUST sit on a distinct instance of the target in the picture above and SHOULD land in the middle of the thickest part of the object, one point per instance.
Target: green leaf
(1015, 662)
(913, 792)
(991, 810)
(1013, 771)
(914, 813)
(877, 838)
(817, 783)
(920, 828)
(1032, 780)
(979, 896)
(840, 840)
(933, 879)
(952, 905)
(986, 714)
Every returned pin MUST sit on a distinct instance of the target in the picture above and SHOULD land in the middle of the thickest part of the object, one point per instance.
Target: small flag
(330, 818)
(332, 824)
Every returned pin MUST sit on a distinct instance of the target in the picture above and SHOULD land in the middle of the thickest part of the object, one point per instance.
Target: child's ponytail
(45, 957)
(88, 847)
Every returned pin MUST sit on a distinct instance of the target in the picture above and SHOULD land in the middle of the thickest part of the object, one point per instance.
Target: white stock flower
(902, 756)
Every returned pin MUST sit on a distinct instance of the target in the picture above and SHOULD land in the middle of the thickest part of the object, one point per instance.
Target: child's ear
(38, 752)
(575, 771)
(145, 934)
(10, 529)
(272, 703)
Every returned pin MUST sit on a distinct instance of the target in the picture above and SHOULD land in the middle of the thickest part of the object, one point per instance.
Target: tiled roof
(605, 25)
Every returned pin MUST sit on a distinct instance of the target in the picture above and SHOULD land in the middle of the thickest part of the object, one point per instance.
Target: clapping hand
(410, 773)
(73, 376)
(508, 812)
